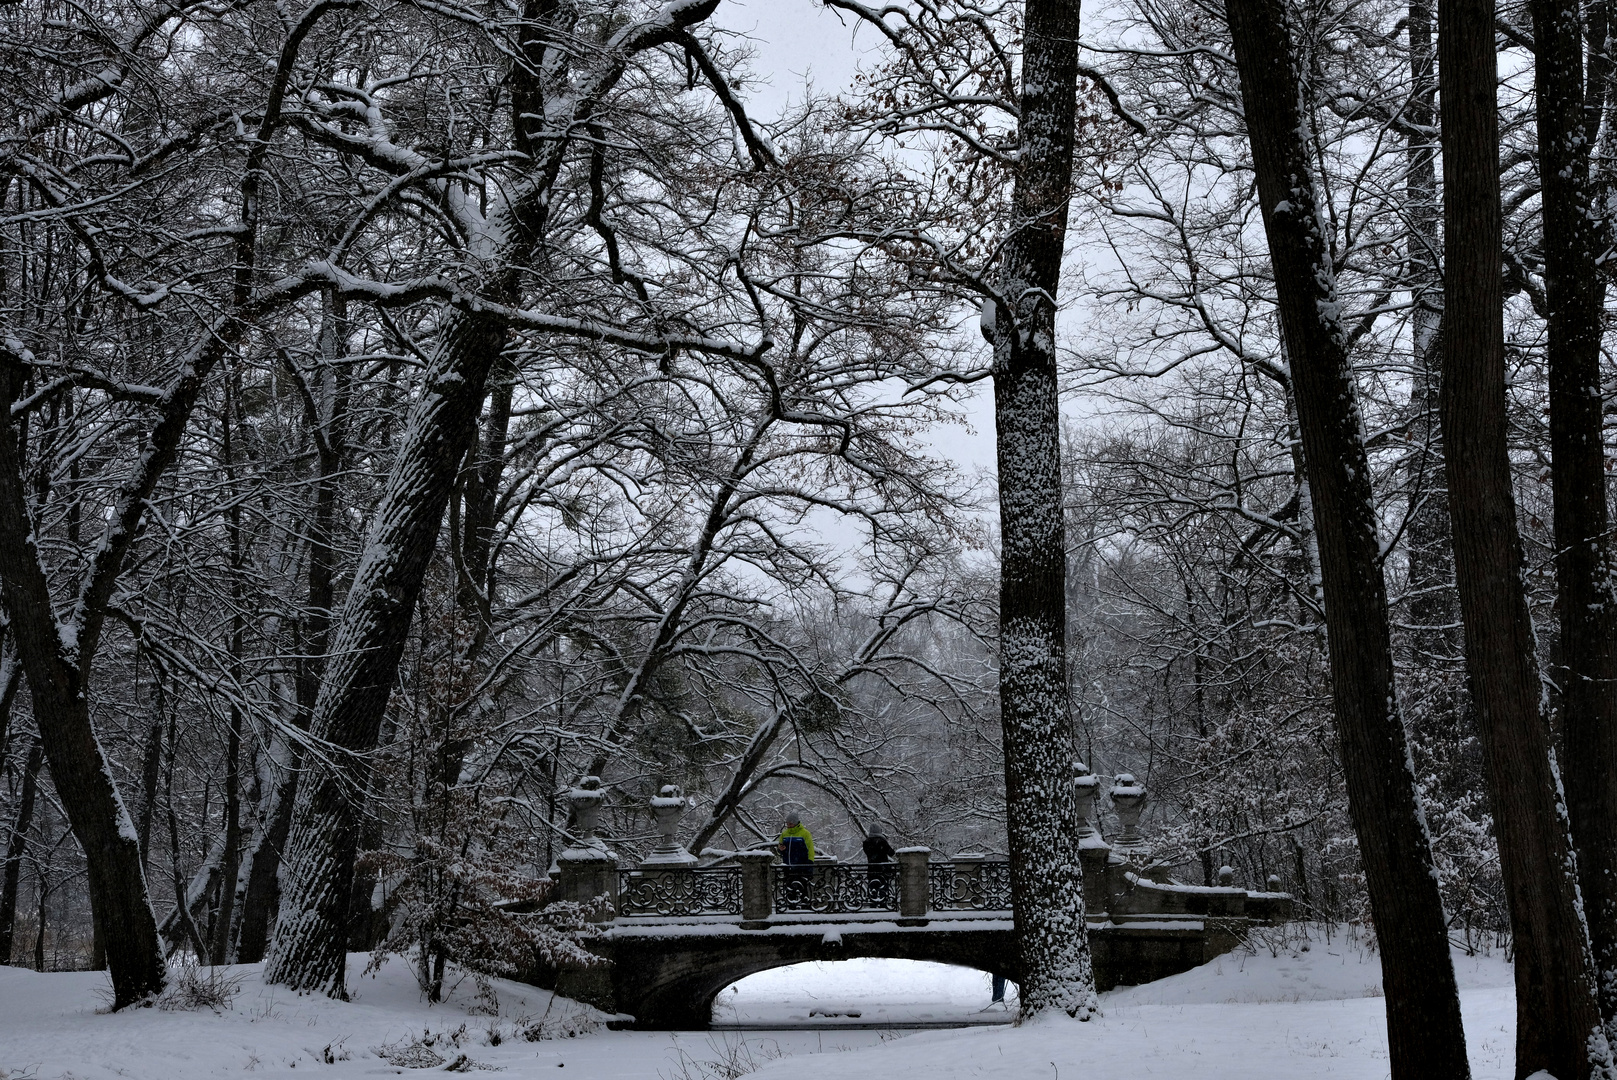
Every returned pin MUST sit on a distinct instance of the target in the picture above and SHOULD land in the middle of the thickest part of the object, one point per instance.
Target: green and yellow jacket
(798, 830)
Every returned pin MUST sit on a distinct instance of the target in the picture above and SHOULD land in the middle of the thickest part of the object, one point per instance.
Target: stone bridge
(678, 932)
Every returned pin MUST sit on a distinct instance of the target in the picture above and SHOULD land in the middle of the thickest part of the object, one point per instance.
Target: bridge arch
(666, 981)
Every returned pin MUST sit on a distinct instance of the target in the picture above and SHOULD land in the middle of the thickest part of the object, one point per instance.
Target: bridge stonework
(678, 935)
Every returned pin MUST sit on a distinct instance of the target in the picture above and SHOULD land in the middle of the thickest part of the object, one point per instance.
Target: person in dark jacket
(881, 872)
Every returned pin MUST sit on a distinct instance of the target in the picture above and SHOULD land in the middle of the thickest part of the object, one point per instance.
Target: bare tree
(1558, 1022)
(1574, 238)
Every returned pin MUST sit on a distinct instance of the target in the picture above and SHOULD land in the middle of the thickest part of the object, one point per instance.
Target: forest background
(674, 555)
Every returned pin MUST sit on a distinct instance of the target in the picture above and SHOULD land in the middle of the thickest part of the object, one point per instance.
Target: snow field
(1286, 1012)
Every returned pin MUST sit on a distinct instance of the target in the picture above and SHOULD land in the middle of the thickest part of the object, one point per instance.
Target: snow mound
(1313, 966)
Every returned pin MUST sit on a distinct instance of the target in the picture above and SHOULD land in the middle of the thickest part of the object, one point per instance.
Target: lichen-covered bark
(1424, 1033)
(1558, 1023)
(1575, 293)
(1041, 806)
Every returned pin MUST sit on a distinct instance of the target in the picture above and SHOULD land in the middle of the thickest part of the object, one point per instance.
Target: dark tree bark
(1431, 563)
(150, 771)
(1041, 806)
(308, 947)
(311, 931)
(58, 656)
(16, 845)
(57, 674)
(1558, 1023)
(10, 683)
(1575, 293)
(1424, 1034)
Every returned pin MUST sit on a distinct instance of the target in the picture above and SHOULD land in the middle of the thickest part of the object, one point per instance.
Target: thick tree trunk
(16, 845)
(115, 878)
(1558, 1023)
(311, 932)
(1424, 1033)
(1575, 292)
(1041, 805)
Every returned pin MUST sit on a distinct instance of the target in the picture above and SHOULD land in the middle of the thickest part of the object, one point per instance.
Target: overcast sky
(796, 41)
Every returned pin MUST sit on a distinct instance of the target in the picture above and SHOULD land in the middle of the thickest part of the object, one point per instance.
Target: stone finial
(1226, 876)
(1128, 800)
(586, 800)
(1087, 786)
(1273, 883)
(667, 807)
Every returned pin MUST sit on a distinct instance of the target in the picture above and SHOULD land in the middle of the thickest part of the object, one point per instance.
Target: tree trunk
(261, 897)
(307, 951)
(1575, 294)
(1425, 1037)
(15, 847)
(1558, 1023)
(115, 879)
(1041, 805)
(150, 770)
(1431, 563)
(230, 866)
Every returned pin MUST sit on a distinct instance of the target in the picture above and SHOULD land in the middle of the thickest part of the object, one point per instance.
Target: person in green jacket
(792, 853)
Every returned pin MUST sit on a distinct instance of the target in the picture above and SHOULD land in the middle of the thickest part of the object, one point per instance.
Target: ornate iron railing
(969, 886)
(691, 890)
(831, 888)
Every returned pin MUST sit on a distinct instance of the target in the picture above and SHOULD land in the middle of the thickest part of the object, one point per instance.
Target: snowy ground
(1275, 1013)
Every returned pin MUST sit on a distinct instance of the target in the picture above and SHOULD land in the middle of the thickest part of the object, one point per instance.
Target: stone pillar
(1087, 786)
(914, 882)
(1128, 799)
(586, 873)
(1096, 859)
(757, 900)
(667, 808)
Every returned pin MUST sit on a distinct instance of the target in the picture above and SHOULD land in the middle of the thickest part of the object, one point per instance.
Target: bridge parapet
(677, 931)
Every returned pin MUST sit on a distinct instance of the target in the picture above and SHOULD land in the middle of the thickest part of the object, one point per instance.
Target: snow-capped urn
(668, 806)
(1128, 800)
(586, 800)
(1226, 876)
(1087, 786)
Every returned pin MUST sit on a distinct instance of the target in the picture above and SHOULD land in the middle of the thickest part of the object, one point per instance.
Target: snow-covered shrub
(193, 987)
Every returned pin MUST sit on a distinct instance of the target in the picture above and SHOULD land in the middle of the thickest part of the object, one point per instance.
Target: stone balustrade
(752, 889)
